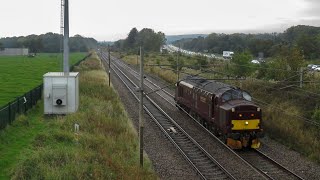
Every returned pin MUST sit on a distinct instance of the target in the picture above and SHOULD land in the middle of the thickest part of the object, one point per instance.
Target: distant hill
(304, 37)
(105, 43)
(172, 38)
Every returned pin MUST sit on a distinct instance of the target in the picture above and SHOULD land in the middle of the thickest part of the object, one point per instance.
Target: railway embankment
(104, 147)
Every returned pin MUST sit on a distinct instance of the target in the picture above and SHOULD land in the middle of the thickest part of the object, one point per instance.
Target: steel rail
(180, 139)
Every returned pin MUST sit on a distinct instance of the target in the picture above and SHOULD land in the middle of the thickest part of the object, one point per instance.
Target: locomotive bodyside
(236, 120)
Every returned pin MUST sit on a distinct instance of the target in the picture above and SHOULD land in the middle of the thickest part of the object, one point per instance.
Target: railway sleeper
(185, 143)
(191, 153)
(219, 173)
(180, 137)
(209, 164)
(198, 156)
(217, 177)
(190, 150)
(209, 171)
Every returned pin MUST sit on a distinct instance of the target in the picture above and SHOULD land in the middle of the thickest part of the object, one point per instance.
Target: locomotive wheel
(224, 138)
(215, 131)
(179, 106)
(205, 124)
(199, 119)
(191, 113)
(210, 128)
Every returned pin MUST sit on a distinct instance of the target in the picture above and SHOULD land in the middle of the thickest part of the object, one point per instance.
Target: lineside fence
(22, 104)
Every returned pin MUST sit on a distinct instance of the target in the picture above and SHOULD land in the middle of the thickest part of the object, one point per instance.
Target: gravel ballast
(168, 162)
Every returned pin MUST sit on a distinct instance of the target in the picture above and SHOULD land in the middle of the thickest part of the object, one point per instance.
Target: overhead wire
(257, 100)
(279, 108)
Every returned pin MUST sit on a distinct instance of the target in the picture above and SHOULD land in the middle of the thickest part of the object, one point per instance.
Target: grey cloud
(313, 8)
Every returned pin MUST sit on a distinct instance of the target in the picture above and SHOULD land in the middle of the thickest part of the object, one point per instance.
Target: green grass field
(20, 74)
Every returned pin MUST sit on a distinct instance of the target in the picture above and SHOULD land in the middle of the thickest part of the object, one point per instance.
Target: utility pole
(66, 39)
(138, 57)
(141, 120)
(178, 64)
(109, 64)
(301, 76)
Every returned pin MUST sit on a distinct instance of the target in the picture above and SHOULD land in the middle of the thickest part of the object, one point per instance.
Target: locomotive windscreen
(233, 94)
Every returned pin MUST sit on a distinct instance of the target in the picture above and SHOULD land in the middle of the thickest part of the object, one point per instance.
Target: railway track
(269, 167)
(153, 86)
(203, 163)
(265, 165)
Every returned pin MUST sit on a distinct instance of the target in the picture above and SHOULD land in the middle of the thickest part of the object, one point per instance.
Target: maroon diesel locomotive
(223, 109)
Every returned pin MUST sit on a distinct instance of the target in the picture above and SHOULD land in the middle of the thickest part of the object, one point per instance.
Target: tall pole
(141, 121)
(137, 59)
(178, 64)
(109, 58)
(301, 76)
(66, 39)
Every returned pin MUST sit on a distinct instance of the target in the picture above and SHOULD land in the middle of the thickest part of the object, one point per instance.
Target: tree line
(150, 40)
(48, 43)
(305, 38)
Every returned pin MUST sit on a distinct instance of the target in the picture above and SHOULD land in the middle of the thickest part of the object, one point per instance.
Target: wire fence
(22, 104)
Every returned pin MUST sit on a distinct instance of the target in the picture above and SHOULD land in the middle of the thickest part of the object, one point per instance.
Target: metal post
(9, 112)
(178, 64)
(66, 39)
(137, 60)
(18, 105)
(25, 103)
(301, 77)
(109, 57)
(31, 97)
(141, 120)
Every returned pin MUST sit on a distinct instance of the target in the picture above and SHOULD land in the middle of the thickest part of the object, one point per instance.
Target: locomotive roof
(208, 85)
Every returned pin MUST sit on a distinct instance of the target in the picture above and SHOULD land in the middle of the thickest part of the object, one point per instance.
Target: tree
(33, 42)
(295, 59)
(286, 64)
(241, 65)
(200, 61)
(147, 38)
(49, 42)
(132, 38)
(150, 40)
(52, 42)
(309, 45)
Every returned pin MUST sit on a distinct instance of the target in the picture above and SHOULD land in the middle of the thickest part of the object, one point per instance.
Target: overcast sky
(113, 19)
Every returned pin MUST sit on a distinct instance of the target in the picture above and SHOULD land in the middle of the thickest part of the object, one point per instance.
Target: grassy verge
(282, 117)
(106, 146)
(18, 137)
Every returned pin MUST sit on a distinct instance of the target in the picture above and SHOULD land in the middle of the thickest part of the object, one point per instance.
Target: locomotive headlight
(233, 110)
(258, 109)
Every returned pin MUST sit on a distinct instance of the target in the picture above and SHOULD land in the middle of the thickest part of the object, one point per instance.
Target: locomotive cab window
(233, 94)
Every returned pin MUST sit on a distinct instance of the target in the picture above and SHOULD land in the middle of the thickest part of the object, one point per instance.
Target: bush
(316, 115)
